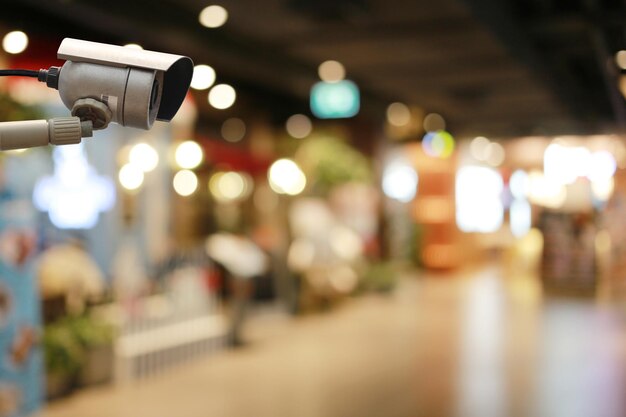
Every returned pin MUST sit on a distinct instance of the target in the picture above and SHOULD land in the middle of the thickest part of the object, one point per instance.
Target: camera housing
(137, 86)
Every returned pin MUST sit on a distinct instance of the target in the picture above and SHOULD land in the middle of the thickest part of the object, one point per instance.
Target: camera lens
(155, 94)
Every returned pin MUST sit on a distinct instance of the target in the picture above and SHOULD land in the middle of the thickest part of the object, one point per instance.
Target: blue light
(75, 195)
(335, 100)
(521, 218)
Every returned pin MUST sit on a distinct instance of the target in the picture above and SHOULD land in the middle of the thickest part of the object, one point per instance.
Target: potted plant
(96, 339)
(78, 350)
(63, 359)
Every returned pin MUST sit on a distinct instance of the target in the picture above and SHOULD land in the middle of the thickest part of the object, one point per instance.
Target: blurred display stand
(568, 261)
(611, 242)
(243, 260)
(440, 246)
(325, 253)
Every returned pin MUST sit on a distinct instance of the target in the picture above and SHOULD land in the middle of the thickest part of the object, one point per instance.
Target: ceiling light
(213, 16)
(144, 156)
(398, 114)
(495, 154)
(233, 129)
(286, 177)
(478, 148)
(298, 126)
(131, 177)
(203, 77)
(222, 96)
(185, 182)
(188, 154)
(331, 71)
(434, 122)
(15, 42)
(229, 186)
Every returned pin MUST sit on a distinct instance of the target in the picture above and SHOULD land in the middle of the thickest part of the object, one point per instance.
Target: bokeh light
(345, 243)
(602, 166)
(443, 144)
(189, 154)
(427, 143)
(337, 100)
(203, 77)
(233, 129)
(438, 144)
(434, 122)
(603, 189)
(520, 218)
(213, 16)
(519, 185)
(544, 191)
(286, 177)
(185, 182)
(400, 181)
(229, 186)
(398, 114)
(478, 199)
(301, 254)
(478, 148)
(222, 96)
(565, 164)
(495, 154)
(15, 42)
(133, 46)
(131, 177)
(144, 156)
(299, 126)
(331, 71)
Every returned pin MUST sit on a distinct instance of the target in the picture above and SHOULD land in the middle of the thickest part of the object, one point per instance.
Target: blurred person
(243, 260)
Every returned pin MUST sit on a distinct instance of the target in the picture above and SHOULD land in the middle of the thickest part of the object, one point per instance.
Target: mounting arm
(31, 133)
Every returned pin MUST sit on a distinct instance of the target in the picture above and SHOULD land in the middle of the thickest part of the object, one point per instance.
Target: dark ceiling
(491, 67)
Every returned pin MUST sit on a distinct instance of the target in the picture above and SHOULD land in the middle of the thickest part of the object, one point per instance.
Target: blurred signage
(21, 363)
(335, 100)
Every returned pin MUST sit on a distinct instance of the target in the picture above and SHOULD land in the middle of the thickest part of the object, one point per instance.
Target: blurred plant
(67, 341)
(11, 110)
(90, 332)
(328, 162)
(63, 353)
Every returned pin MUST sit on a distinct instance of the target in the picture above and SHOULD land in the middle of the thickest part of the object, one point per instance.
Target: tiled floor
(478, 344)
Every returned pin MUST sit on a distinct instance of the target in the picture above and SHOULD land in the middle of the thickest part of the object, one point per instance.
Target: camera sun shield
(139, 86)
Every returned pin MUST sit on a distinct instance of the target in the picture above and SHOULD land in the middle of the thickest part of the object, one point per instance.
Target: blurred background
(363, 208)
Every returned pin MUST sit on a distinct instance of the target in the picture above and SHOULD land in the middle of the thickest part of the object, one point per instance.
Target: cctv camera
(137, 86)
(103, 83)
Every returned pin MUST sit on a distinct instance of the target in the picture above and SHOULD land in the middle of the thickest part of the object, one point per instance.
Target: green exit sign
(335, 100)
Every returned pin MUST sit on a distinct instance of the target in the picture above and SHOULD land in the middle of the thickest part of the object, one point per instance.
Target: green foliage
(67, 341)
(90, 332)
(328, 162)
(11, 110)
(64, 355)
